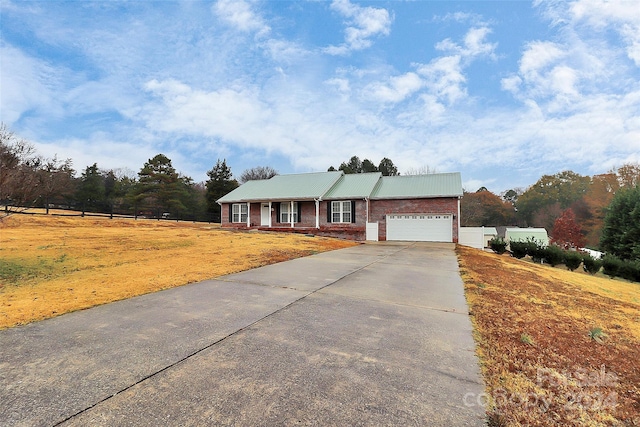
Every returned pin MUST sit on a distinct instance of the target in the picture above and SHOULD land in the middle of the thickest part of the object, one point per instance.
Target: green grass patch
(19, 271)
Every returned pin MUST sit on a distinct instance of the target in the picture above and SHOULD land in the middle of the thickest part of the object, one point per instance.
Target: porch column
(291, 213)
(269, 214)
(317, 213)
(458, 239)
(366, 199)
(248, 214)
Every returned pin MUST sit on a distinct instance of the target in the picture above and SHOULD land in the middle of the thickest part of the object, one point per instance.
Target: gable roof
(419, 186)
(354, 186)
(304, 186)
(337, 185)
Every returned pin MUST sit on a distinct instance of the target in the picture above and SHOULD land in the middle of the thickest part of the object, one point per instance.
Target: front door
(265, 214)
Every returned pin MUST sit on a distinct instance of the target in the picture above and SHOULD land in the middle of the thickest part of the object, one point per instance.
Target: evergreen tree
(387, 167)
(220, 182)
(621, 233)
(368, 166)
(162, 187)
(91, 188)
(353, 166)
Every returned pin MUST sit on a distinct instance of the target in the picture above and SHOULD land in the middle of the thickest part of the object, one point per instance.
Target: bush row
(615, 267)
(551, 254)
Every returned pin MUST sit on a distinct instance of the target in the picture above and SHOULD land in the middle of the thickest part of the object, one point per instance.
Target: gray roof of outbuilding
(419, 186)
(304, 186)
(353, 186)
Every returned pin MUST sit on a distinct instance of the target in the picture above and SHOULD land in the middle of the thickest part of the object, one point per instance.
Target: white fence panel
(472, 236)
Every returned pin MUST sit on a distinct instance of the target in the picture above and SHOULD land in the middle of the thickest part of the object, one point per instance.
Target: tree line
(157, 190)
(565, 204)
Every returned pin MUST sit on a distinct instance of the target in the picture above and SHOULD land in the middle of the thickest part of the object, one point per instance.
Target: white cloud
(98, 148)
(511, 84)
(363, 23)
(583, 63)
(538, 56)
(549, 72)
(445, 78)
(631, 34)
(227, 113)
(342, 85)
(461, 18)
(285, 51)
(240, 14)
(563, 80)
(196, 91)
(473, 44)
(398, 88)
(25, 83)
(619, 16)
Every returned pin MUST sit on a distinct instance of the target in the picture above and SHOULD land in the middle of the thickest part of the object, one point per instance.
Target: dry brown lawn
(50, 265)
(556, 347)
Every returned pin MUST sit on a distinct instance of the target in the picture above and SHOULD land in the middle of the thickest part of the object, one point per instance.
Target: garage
(420, 227)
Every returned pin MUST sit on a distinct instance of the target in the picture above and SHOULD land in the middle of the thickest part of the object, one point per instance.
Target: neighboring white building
(594, 254)
(522, 234)
(477, 237)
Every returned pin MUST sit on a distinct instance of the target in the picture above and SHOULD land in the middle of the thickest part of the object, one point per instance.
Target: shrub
(552, 254)
(598, 335)
(572, 260)
(630, 270)
(537, 250)
(532, 247)
(518, 249)
(498, 245)
(526, 338)
(590, 264)
(611, 265)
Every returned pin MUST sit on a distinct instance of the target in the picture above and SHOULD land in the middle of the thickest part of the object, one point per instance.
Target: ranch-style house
(366, 206)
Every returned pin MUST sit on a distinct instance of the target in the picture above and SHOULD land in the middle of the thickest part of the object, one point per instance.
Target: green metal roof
(353, 186)
(336, 185)
(304, 186)
(418, 186)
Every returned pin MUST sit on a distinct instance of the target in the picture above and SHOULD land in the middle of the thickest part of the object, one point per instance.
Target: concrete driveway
(376, 334)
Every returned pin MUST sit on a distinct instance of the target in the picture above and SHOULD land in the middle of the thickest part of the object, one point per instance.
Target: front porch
(348, 232)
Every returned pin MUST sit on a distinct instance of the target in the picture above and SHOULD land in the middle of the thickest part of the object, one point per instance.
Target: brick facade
(378, 210)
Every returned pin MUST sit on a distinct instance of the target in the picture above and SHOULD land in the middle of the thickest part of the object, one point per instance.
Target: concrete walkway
(376, 334)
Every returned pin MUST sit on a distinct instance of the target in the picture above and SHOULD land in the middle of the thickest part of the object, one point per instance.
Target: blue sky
(501, 91)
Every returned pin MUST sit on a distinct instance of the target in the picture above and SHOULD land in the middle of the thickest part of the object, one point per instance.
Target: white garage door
(420, 227)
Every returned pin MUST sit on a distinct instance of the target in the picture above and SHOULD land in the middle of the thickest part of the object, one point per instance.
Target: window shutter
(353, 211)
(299, 211)
(329, 212)
(278, 212)
(230, 213)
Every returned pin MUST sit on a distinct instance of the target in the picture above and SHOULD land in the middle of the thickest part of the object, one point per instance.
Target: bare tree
(259, 172)
(422, 170)
(18, 166)
(55, 179)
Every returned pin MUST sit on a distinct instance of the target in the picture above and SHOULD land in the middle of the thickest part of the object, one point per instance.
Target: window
(239, 212)
(285, 215)
(341, 211)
